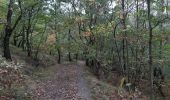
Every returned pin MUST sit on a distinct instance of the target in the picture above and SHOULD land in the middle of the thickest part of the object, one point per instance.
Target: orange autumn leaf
(51, 39)
(87, 34)
(120, 15)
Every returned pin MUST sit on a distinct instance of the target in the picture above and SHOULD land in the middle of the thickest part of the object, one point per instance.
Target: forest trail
(67, 83)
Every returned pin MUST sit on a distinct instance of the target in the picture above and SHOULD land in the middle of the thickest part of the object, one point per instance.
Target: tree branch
(19, 17)
(160, 21)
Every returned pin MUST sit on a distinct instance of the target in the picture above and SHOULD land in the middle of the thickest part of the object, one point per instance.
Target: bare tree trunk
(28, 31)
(8, 32)
(150, 52)
(15, 39)
(23, 38)
(7, 53)
(69, 38)
(69, 57)
(9, 29)
(59, 55)
(125, 45)
(76, 56)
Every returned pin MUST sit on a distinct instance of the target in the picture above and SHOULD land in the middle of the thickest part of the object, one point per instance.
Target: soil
(67, 83)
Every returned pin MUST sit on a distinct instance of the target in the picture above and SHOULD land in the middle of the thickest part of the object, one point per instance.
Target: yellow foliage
(79, 19)
(118, 1)
(120, 15)
(122, 82)
(51, 39)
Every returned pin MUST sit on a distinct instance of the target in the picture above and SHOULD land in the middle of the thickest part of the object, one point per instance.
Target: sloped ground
(73, 82)
(67, 83)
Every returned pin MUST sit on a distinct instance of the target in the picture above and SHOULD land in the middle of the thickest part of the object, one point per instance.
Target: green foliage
(90, 28)
(168, 8)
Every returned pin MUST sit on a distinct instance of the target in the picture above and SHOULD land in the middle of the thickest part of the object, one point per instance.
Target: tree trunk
(8, 32)
(7, 53)
(69, 39)
(76, 56)
(59, 56)
(23, 38)
(87, 62)
(28, 34)
(125, 46)
(150, 52)
(15, 40)
(9, 29)
(69, 57)
(28, 46)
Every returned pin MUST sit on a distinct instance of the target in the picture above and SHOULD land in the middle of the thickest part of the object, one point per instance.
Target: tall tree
(10, 28)
(150, 50)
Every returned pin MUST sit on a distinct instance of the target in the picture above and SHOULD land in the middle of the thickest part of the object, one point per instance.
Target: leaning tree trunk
(8, 32)
(9, 29)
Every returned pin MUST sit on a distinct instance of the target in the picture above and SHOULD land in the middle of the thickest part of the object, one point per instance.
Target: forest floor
(52, 81)
(72, 81)
(66, 83)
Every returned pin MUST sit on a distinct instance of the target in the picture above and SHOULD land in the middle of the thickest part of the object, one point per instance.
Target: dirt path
(66, 84)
